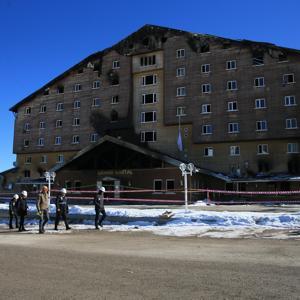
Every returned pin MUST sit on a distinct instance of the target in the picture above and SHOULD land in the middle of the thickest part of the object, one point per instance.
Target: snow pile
(178, 222)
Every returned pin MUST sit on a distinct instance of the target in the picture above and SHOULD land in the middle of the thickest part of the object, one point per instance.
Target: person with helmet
(13, 211)
(99, 207)
(22, 208)
(62, 208)
(42, 206)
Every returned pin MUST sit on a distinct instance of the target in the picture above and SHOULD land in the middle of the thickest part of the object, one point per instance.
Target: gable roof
(154, 154)
(163, 32)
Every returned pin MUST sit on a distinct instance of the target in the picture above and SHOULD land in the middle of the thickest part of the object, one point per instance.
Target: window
(205, 68)
(76, 122)
(291, 123)
(262, 149)
(26, 143)
(260, 103)
(42, 125)
(288, 78)
(43, 159)
(261, 125)
(231, 64)
(157, 185)
(148, 136)
(170, 184)
(292, 148)
(27, 110)
(28, 160)
(94, 137)
(115, 99)
(148, 116)
(208, 151)
(77, 87)
(75, 139)
(80, 71)
(259, 82)
(114, 116)
(96, 102)
(233, 127)
(232, 106)
(96, 84)
(206, 108)
(76, 104)
(57, 140)
(149, 80)
(77, 185)
(231, 85)
(58, 123)
(206, 129)
(43, 108)
(290, 100)
(27, 173)
(149, 98)
(60, 159)
(148, 60)
(234, 150)
(180, 111)
(181, 91)
(26, 127)
(116, 64)
(41, 142)
(180, 53)
(59, 106)
(258, 59)
(46, 92)
(180, 72)
(206, 88)
(60, 89)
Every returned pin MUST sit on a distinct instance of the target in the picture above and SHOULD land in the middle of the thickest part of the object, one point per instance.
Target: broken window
(148, 60)
(46, 92)
(288, 78)
(148, 136)
(60, 89)
(258, 59)
(170, 184)
(157, 184)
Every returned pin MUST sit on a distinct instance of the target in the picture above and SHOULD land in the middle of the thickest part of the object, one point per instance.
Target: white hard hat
(24, 193)
(102, 189)
(63, 191)
(16, 196)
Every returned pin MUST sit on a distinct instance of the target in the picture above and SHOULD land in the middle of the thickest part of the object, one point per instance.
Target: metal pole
(185, 191)
(49, 188)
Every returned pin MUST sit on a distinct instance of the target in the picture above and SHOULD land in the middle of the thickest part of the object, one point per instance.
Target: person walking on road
(13, 211)
(22, 208)
(62, 209)
(99, 208)
(43, 208)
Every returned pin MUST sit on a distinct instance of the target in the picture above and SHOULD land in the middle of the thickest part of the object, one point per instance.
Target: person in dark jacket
(99, 208)
(22, 208)
(62, 209)
(13, 211)
(42, 206)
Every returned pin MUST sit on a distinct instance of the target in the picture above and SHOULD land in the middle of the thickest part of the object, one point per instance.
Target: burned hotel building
(127, 116)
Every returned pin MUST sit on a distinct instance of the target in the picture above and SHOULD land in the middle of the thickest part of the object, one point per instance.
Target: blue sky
(40, 39)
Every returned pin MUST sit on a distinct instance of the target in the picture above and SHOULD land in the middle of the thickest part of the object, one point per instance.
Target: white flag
(179, 141)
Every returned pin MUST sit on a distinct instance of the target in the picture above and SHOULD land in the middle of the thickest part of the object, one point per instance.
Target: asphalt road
(128, 265)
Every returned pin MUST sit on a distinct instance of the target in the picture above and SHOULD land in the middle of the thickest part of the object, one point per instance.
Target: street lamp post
(186, 169)
(49, 176)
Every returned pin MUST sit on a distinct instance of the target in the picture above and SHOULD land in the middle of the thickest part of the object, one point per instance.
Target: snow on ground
(178, 222)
